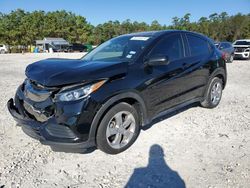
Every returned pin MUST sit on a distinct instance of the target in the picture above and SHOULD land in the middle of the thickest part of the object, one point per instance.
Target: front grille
(40, 114)
(34, 93)
(38, 101)
(239, 49)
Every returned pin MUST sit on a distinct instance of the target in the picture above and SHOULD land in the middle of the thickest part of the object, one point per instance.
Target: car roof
(225, 42)
(248, 40)
(149, 33)
(163, 32)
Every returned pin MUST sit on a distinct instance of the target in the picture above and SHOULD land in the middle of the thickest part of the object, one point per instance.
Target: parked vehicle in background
(103, 99)
(59, 48)
(49, 44)
(76, 47)
(3, 49)
(227, 49)
(242, 49)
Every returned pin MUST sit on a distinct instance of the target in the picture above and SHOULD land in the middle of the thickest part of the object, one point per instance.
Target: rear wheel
(118, 129)
(213, 94)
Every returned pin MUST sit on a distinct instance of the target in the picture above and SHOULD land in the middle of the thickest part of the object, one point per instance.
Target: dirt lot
(195, 148)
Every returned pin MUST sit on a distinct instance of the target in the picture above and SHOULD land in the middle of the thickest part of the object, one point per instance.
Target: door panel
(197, 69)
(164, 83)
(183, 79)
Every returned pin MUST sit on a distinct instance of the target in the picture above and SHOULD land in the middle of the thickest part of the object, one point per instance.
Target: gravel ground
(195, 148)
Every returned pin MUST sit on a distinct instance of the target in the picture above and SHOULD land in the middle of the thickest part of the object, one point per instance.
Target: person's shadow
(157, 174)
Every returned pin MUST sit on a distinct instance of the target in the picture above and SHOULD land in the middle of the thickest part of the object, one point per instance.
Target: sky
(100, 11)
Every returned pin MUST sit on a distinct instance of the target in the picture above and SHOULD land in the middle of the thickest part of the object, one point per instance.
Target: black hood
(56, 72)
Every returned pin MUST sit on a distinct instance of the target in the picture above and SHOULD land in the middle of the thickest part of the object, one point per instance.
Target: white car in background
(3, 49)
(242, 49)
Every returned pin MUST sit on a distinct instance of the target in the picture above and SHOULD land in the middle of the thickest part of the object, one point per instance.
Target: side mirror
(157, 60)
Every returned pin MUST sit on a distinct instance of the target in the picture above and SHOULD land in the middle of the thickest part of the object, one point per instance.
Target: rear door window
(197, 45)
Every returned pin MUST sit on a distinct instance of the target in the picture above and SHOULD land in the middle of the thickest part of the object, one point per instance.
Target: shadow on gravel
(169, 114)
(157, 174)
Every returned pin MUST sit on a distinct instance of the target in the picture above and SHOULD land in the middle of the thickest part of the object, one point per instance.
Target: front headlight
(79, 93)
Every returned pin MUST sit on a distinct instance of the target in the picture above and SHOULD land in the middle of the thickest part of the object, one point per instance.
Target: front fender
(119, 97)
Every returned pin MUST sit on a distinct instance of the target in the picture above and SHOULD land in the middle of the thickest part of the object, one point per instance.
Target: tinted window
(1, 45)
(170, 46)
(223, 46)
(228, 45)
(198, 46)
(242, 43)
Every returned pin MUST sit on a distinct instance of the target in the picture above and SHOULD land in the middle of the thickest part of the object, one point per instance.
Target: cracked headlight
(79, 93)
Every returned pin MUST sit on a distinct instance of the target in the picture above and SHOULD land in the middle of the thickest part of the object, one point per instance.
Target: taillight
(224, 55)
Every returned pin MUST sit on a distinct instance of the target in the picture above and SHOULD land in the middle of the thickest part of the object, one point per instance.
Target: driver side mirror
(157, 61)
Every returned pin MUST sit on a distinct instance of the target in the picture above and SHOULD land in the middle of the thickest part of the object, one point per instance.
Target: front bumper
(243, 55)
(67, 130)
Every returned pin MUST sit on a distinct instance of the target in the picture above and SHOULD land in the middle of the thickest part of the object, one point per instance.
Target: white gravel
(202, 147)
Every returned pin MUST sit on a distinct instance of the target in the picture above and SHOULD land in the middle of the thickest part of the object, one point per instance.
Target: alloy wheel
(121, 129)
(216, 93)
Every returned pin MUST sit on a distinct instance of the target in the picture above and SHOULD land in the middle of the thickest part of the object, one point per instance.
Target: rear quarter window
(197, 45)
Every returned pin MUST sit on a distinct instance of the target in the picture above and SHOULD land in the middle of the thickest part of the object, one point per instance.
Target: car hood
(56, 72)
(242, 46)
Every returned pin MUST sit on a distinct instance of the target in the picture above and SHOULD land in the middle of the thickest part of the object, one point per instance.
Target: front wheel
(213, 94)
(118, 129)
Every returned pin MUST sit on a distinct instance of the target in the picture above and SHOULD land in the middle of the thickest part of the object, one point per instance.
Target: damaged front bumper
(66, 129)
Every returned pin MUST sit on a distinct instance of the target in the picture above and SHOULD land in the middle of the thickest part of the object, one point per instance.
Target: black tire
(208, 102)
(101, 137)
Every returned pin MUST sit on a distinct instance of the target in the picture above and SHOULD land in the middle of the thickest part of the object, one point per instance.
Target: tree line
(23, 28)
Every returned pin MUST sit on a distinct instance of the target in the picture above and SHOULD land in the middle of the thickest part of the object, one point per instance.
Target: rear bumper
(64, 141)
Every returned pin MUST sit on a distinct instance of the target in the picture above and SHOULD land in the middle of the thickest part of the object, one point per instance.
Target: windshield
(242, 43)
(125, 48)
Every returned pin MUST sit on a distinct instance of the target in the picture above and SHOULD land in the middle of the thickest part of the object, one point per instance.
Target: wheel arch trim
(109, 103)
(216, 73)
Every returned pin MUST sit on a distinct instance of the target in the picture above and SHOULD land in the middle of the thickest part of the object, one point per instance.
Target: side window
(223, 46)
(170, 46)
(228, 45)
(1, 45)
(198, 46)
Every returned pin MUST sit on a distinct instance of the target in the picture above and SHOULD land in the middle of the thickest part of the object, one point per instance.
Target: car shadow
(157, 174)
(168, 115)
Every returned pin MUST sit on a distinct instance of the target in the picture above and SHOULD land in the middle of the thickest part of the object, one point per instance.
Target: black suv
(103, 99)
(75, 47)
